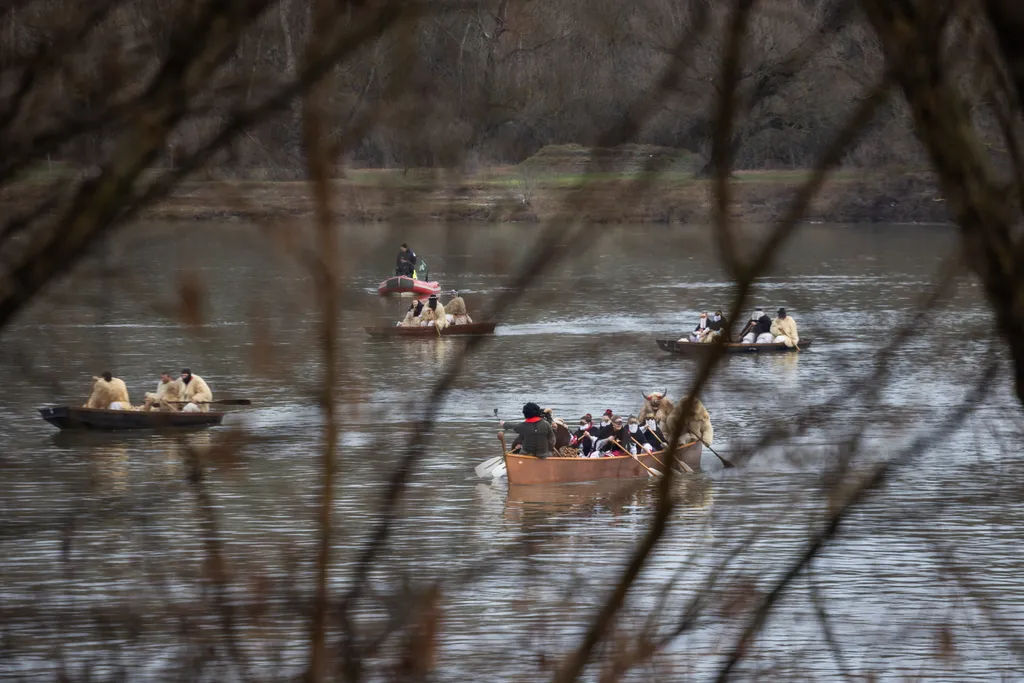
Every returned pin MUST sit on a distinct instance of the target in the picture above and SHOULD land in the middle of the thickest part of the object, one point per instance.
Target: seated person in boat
(197, 394)
(784, 330)
(609, 436)
(563, 436)
(698, 425)
(717, 326)
(700, 331)
(405, 264)
(168, 395)
(412, 316)
(109, 393)
(433, 314)
(758, 330)
(537, 436)
(633, 439)
(651, 436)
(585, 436)
(456, 311)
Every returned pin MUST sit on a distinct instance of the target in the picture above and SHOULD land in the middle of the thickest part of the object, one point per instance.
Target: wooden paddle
(652, 472)
(223, 402)
(725, 463)
(485, 470)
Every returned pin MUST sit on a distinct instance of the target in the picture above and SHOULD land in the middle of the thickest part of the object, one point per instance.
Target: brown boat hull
(431, 332)
(527, 469)
(695, 349)
(96, 419)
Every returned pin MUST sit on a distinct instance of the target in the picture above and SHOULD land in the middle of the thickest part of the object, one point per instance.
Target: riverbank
(512, 194)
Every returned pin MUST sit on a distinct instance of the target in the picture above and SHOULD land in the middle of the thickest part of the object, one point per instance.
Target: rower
(537, 436)
(609, 434)
(197, 394)
(700, 330)
(758, 330)
(405, 264)
(716, 327)
(433, 314)
(167, 396)
(651, 436)
(784, 330)
(585, 437)
(456, 311)
(109, 393)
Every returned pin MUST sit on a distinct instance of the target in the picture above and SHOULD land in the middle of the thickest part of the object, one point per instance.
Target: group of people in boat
(187, 393)
(541, 434)
(434, 313)
(760, 329)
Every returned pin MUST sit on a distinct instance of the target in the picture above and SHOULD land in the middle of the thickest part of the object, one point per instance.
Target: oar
(725, 462)
(223, 402)
(485, 469)
(652, 472)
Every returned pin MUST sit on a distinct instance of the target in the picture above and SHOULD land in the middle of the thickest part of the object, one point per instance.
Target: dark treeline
(481, 84)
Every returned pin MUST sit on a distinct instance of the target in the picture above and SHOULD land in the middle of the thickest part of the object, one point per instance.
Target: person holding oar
(538, 438)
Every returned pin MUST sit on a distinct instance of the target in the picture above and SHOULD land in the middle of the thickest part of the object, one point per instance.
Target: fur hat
(531, 409)
(782, 312)
(587, 418)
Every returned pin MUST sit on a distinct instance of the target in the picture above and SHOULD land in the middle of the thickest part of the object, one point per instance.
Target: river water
(102, 553)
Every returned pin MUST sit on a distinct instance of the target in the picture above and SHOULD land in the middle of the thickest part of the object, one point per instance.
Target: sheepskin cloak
(786, 327)
(699, 423)
(104, 393)
(434, 315)
(170, 391)
(457, 309)
(198, 391)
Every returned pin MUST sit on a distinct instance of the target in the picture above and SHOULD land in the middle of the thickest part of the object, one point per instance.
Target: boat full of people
(431, 318)
(178, 402)
(547, 451)
(761, 334)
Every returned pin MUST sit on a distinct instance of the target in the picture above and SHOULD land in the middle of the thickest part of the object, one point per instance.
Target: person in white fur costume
(168, 394)
(456, 311)
(433, 314)
(197, 392)
(784, 330)
(109, 392)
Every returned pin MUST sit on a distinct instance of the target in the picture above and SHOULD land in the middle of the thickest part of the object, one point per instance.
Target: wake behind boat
(103, 419)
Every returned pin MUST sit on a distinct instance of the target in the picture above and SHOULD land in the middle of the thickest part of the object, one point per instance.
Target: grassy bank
(512, 194)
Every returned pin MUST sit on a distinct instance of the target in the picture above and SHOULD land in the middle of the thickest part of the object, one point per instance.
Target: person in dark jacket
(585, 436)
(405, 264)
(759, 330)
(537, 436)
(719, 325)
(652, 436)
(617, 436)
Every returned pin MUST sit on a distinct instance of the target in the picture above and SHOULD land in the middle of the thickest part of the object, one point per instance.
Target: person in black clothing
(652, 435)
(585, 436)
(609, 434)
(719, 324)
(405, 264)
(537, 436)
(760, 324)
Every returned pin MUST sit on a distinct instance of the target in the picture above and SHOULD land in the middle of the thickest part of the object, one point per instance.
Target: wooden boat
(529, 469)
(431, 331)
(67, 417)
(407, 286)
(693, 349)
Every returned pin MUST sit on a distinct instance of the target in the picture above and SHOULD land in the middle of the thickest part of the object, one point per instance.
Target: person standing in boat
(109, 393)
(197, 394)
(168, 394)
(405, 264)
(784, 330)
(538, 439)
(758, 330)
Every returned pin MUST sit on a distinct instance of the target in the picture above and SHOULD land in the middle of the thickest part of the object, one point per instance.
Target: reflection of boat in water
(430, 332)
(527, 469)
(696, 349)
(67, 417)
(617, 496)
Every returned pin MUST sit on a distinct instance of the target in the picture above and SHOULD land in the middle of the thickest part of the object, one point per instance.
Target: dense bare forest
(470, 84)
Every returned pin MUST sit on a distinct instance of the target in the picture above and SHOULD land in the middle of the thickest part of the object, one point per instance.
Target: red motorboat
(407, 286)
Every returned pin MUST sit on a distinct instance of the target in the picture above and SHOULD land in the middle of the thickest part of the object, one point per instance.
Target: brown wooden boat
(694, 349)
(67, 417)
(430, 332)
(529, 469)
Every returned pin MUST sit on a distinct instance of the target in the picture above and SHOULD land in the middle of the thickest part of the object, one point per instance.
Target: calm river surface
(95, 528)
